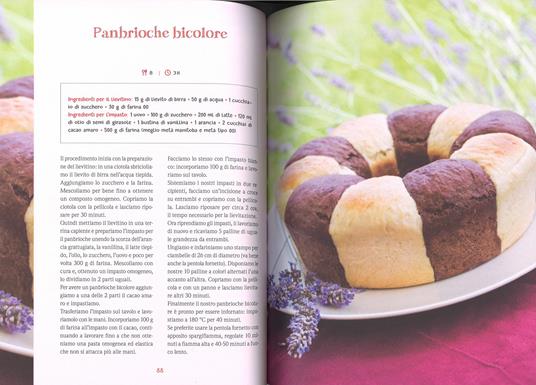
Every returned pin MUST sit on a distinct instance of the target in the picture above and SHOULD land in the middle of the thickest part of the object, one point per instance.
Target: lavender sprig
(304, 328)
(290, 281)
(387, 34)
(435, 30)
(340, 82)
(392, 10)
(272, 41)
(6, 33)
(329, 294)
(276, 146)
(303, 294)
(318, 29)
(14, 316)
(288, 53)
(283, 116)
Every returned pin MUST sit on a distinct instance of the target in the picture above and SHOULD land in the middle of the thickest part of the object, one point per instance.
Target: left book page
(150, 164)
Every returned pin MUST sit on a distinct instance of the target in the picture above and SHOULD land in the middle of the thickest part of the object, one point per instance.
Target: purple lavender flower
(434, 30)
(295, 288)
(289, 54)
(311, 98)
(275, 146)
(288, 290)
(388, 68)
(283, 116)
(392, 10)
(276, 296)
(455, 76)
(438, 50)
(329, 294)
(451, 83)
(272, 41)
(272, 145)
(334, 295)
(285, 147)
(318, 72)
(303, 294)
(532, 106)
(291, 282)
(528, 30)
(14, 316)
(340, 82)
(507, 61)
(410, 40)
(385, 33)
(6, 33)
(318, 29)
(304, 328)
(461, 51)
(498, 92)
(425, 74)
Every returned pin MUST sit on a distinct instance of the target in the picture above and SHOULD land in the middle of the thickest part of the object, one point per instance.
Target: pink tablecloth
(488, 340)
(15, 370)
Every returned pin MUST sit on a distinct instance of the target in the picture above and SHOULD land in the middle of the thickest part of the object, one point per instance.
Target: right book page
(401, 192)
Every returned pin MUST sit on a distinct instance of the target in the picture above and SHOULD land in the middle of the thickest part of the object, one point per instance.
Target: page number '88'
(159, 370)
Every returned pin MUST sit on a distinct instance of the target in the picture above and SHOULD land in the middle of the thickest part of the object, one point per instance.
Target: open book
(201, 168)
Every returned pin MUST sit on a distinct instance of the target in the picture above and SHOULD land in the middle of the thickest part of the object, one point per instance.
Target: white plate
(519, 259)
(17, 343)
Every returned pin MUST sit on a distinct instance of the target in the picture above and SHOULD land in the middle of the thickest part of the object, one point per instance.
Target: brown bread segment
(18, 87)
(498, 121)
(308, 215)
(339, 149)
(410, 127)
(16, 193)
(456, 200)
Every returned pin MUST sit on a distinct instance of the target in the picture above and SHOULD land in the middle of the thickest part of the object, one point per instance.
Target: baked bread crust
(18, 87)
(497, 121)
(450, 124)
(456, 200)
(309, 167)
(371, 137)
(467, 193)
(16, 194)
(308, 218)
(337, 148)
(511, 164)
(410, 128)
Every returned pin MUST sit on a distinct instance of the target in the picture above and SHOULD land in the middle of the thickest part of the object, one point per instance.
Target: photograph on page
(402, 176)
(16, 191)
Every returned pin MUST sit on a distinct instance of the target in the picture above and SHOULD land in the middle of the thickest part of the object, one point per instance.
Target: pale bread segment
(29, 221)
(511, 164)
(450, 124)
(311, 166)
(377, 231)
(371, 137)
(16, 115)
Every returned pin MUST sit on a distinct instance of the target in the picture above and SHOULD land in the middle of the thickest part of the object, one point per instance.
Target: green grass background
(352, 49)
(16, 56)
